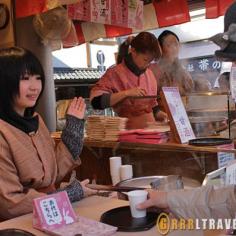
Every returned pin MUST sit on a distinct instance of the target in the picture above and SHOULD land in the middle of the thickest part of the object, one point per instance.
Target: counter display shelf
(168, 146)
(210, 113)
(147, 159)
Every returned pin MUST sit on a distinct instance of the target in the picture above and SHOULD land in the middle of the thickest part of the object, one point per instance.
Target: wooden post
(7, 35)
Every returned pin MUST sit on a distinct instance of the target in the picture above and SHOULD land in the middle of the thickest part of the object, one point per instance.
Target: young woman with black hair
(131, 77)
(30, 163)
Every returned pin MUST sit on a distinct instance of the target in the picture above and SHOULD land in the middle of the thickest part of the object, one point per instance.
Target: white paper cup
(115, 179)
(126, 172)
(136, 197)
(115, 164)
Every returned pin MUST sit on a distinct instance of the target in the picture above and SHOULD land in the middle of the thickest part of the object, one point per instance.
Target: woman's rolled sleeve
(204, 202)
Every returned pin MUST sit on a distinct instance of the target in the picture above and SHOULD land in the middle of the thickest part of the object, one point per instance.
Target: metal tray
(209, 141)
(121, 218)
(15, 232)
(145, 181)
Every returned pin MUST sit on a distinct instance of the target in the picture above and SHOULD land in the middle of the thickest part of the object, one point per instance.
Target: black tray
(15, 232)
(121, 218)
(209, 141)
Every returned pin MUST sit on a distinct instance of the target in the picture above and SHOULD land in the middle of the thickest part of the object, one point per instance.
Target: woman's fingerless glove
(74, 190)
(72, 135)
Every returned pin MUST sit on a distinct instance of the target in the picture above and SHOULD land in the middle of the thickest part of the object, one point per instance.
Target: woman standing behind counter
(130, 78)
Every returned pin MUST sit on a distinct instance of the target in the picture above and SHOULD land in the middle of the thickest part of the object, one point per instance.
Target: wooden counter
(168, 146)
(93, 208)
(147, 159)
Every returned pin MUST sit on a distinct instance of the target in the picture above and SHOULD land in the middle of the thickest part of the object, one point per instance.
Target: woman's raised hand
(77, 108)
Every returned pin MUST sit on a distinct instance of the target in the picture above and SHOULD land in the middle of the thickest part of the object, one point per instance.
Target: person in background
(131, 77)
(224, 82)
(201, 83)
(168, 70)
(204, 202)
(30, 163)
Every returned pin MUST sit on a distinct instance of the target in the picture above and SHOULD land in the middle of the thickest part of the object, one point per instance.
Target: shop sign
(202, 64)
(124, 13)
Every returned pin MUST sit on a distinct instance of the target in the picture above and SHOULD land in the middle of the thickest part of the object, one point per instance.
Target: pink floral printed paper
(85, 227)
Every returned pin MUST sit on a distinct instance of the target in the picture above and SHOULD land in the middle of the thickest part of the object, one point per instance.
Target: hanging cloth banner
(216, 8)
(171, 12)
(123, 13)
(29, 7)
(88, 31)
(26, 8)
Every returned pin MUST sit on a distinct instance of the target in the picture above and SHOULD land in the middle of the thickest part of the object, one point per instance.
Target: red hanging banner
(115, 31)
(26, 8)
(79, 33)
(216, 8)
(171, 12)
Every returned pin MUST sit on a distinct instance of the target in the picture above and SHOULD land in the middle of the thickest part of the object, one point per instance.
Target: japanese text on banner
(124, 13)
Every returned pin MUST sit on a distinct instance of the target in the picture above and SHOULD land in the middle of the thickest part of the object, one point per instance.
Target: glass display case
(211, 114)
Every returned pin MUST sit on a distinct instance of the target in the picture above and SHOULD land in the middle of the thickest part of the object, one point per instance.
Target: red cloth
(171, 12)
(216, 8)
(143, 136)
(79, 33)
(114, 31)
(29, 7)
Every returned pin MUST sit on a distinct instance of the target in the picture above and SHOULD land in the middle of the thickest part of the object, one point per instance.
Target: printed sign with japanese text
(54, 215)
(224, 157)
(201, 65)
(178, 114)
(53, 211)
(124, 13)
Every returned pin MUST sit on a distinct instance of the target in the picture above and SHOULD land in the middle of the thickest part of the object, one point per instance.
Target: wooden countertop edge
(169, 146)
(176, 147)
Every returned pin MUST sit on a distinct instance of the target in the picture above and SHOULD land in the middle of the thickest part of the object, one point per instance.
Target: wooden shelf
(175, 147)
(169, 146)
